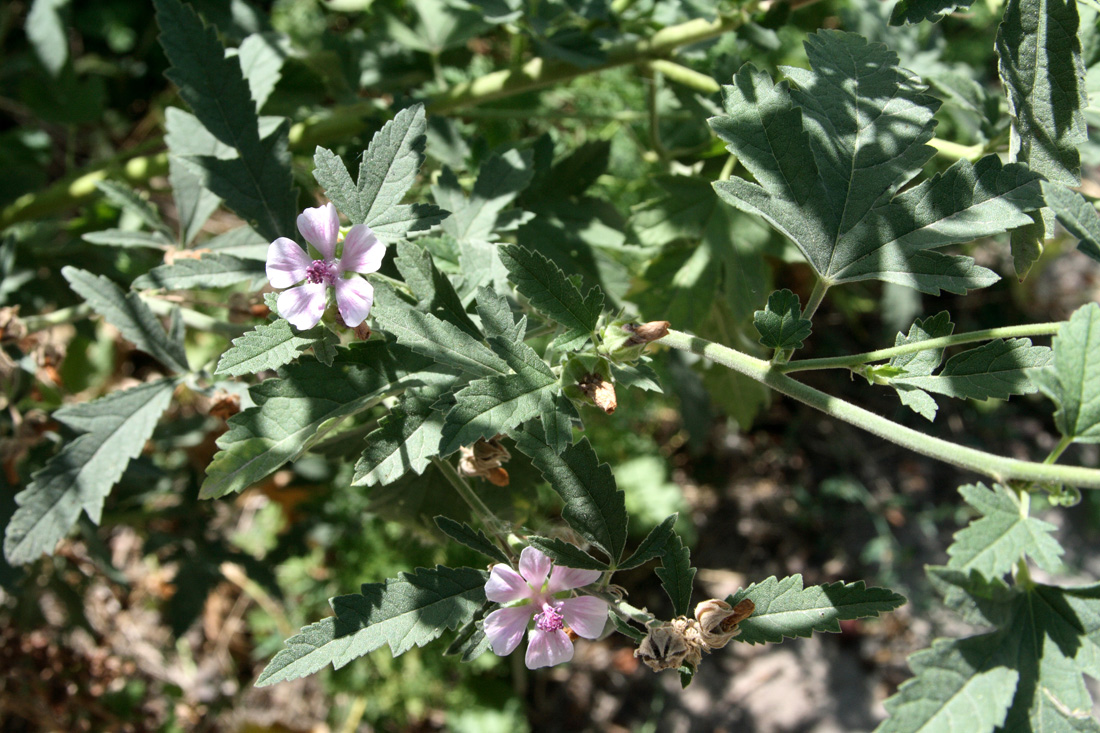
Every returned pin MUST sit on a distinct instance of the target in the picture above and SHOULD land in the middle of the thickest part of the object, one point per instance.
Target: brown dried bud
(483, 459)
(718, 620)
(600, 391)
(225, 405)
(11, 327)
(645, 333)
(362, 331)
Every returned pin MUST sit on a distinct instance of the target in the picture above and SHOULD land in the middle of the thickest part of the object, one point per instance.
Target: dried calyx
(682, 641)
(484, 459)
(600, 391)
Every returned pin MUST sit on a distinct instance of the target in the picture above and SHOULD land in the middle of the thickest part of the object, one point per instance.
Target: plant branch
(477, 506)
(999, 468)
(853, 360)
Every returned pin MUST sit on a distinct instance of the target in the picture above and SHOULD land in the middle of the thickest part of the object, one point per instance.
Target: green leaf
(921, 363)
(653, 546)
(130, 200)
(128, 313)
(471, 642)
(194, 203)
(914, 11)
(994, 543)
(1077, 215)
(780, 324)
(784, 609)
(431, 288)
(499, 181)
(45, 29)
(998, 369)
(410, 610)
(951, 691)
(211, 271)
(676, 574)
(406, 440)
(268, 346)
(624, 627)
(594, 507)
(487, 407)
(830, 156)
(300, 408)
(262, 56)
(549, 291)
(474, 539)
(1073, 380)
(565, 554)
(1041, 68)
(126, 238)
(79, 477)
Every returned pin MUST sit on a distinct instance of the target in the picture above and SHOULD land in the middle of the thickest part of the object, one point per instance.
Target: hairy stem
(999, 468)
(1005, 332)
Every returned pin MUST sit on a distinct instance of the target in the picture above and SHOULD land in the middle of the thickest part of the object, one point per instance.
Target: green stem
(198, 321)
(1059, 449)
(621, 607)
(477, 506)
(683, 75)
(1005, 332)
(998, 468)
(72, 314)
(955, 151)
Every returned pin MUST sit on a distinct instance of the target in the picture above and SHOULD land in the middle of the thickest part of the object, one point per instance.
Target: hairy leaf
(212, 271)
(268, 346)
(1073, 380)
(914, 11)
(262, 56)
(441, 341)
(302, 406)
(487, 407)
(594, 507)
(410, 610)
(127, 238)
(565, 554)
(499, 181)
(81, 475)
(546, 287)
(998, 369)
(130, 315)
(676, 574)
(653, 546)
(1077, 215)
(130, 200)
(431, 288)
(474, 539)
(994, 543)
(921, 363)
(784, 609)
(45, 29)
(406, 440)
(780, 324)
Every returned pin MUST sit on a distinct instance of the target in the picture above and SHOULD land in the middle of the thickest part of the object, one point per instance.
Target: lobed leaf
(499, 181)
(1077, 215)
(410, 610)
(211, 271)
(1073, 380)
(79, 477)
(998, 369)
(261, 56)
(494, 405)
(565, 554)
(431, 289)
(128, 313)
(474, 539)
(784, 609)
(780, 324)
(653, 546)
(921, 363)
(406, 440)
(268, 346)
(676, 574)
(130, 200)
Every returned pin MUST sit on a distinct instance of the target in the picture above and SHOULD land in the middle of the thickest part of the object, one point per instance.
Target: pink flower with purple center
(535, 590)
(288, 265)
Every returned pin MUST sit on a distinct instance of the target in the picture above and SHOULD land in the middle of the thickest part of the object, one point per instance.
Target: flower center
(320, 271)
(549, 620)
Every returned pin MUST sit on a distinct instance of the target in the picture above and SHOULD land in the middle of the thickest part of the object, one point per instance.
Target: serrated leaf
(261, 57)
(951, 692)
(431, 288)
(994, 543)
(676, 574)
(624, 627)
(410, 610)
(780, 324)
(653, 546)
(638, 376)
(499, 181)
(406, 440)
(128, 313)
(998, 369)
(594, 507)
(441, 341)
(565, 554)
(1041, 68)
(550, 292)
(1073, 379)
(784, 609)
(126, 238)
(45, 29)
(130, 200)
(914, 11)
(211, 271)
(268, 346)
(493, 405)
(830, 155)
(81, 475)
(474, 539)
(471, 641)
(301, 407)
(194, 203)
(1077, 215)
(921, 363)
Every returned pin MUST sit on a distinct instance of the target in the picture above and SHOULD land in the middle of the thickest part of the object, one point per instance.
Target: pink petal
(506, 585)
(320, 227)
(286, 263)
(362, 251)
(547, 648)
(354, 297)
(504, 628)
(534, 567)
(570, 578)
(586, 615)
(304, 305)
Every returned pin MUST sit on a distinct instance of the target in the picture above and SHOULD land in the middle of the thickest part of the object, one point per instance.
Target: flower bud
(483, 459)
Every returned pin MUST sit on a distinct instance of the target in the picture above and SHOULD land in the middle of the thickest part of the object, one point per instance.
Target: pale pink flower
(289, 264)
(535, 590)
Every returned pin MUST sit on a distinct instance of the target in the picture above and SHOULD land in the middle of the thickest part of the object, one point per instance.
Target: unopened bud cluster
(625, 341)
(485, 459)
(682, 641)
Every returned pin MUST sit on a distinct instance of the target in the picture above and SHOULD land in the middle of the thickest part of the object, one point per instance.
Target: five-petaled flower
(535, 589)
(288, 264)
